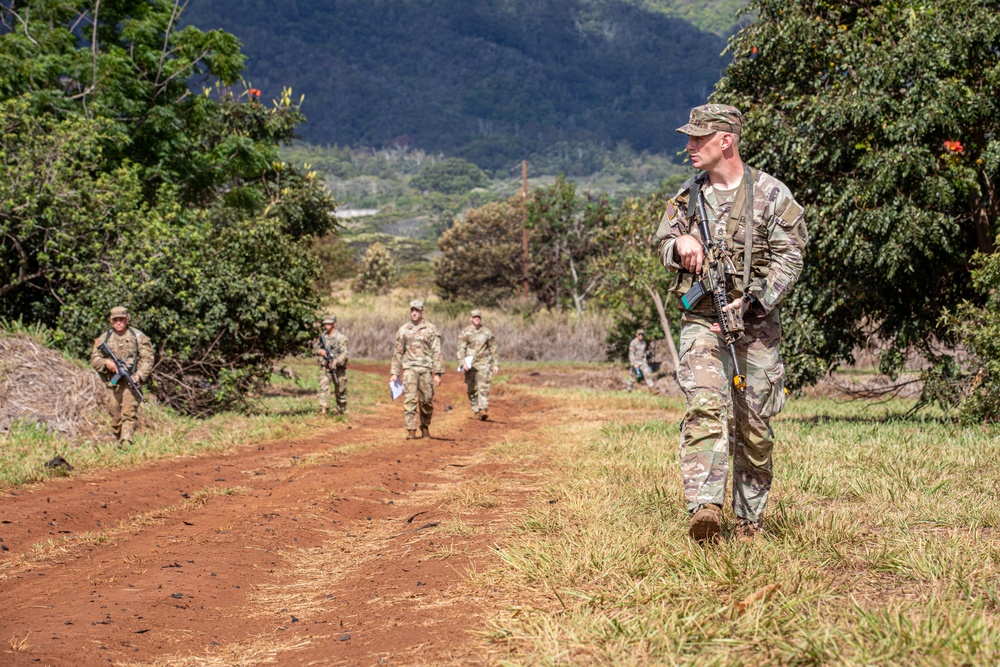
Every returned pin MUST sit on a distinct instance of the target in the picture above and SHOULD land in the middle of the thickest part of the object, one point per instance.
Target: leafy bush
(480, 259)
(377, 270)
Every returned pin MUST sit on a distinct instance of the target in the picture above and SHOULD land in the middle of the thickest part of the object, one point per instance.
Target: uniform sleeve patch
(671, 211)
(791, 213)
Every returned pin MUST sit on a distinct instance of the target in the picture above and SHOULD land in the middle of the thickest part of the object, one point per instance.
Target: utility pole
(525, 258)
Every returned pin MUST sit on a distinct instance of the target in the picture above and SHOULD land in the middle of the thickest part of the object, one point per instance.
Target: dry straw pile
(38, 385)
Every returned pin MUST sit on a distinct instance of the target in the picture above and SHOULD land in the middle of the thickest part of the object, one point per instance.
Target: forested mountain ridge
(489, 80)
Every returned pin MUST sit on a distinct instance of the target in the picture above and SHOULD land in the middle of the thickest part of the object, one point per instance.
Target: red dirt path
(326, 556)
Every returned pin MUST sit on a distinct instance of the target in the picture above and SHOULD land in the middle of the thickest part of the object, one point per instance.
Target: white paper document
(396, 389)
(468, 361)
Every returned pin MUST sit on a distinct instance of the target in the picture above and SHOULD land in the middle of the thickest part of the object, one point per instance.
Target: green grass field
(880, 546)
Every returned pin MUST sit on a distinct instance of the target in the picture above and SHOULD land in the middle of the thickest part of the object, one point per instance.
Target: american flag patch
(671, 211)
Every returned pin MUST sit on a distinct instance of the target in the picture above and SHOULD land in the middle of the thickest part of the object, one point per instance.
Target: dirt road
(351, 546)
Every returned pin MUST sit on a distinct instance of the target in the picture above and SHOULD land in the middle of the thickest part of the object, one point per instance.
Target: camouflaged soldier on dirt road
(134, 349)
(638, 367)
(477, 341)
(331, 350)
(757, 220)
(418, 361)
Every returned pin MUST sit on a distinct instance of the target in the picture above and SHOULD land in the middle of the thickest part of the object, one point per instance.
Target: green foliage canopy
(451, 176)
(884, 119)
(122, 187)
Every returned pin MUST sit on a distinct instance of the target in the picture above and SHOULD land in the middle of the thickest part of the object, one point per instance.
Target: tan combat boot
(425, 431)
(706, 523)
(411, 434)
(483, 416)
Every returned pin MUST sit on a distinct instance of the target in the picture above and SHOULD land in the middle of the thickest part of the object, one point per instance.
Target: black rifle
(714, 283)
(122, 369)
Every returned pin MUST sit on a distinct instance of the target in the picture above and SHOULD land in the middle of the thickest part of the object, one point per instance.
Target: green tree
(633, 282)
(377, 270)
(564, 230)
(884, 119)
(480, 259)
(123, 187)
(451, 176)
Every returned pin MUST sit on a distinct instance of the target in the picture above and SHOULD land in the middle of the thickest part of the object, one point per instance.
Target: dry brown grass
(371, 323)
(39, 385)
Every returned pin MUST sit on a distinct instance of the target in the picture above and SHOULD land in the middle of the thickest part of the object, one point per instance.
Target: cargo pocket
(774, 401)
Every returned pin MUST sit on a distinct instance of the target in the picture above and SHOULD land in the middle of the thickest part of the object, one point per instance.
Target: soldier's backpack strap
(749, 178)
(695, 182)
(135, 360)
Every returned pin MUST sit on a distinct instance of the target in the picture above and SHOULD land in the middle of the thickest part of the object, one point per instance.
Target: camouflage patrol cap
(416, 304)
(475, 313)
(119, 311)
(709, 118)
(330, 319)
(640, 332)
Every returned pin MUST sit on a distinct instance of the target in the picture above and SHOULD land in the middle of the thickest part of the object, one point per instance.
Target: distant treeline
(491, 81)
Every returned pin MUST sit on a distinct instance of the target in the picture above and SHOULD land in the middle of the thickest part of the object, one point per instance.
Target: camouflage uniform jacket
(480, 344)
(337, 342)
(133, 348)
(636, 352)
(418, 346)
(779, 238)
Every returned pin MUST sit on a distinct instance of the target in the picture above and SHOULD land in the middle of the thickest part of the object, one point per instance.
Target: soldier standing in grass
(418, 361)
(331, 350)
(762, 227)
(477, 341)
(133, 348)
(638, 368)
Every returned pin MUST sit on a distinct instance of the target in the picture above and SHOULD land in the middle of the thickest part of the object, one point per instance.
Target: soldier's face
(705, 152)
(119, 324)
(476, 321)
(416, 315)
(329, 327)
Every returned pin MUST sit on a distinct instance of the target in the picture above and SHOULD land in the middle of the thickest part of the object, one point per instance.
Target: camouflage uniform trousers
(477, 381)
(720, 420)
(123, 406)
(338, 376)
(633, 377)
(418, 391)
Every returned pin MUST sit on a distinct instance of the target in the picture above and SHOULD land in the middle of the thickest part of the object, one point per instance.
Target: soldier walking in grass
(638, 367)
(418, 361)
(477, 342)
(135, 351)
(331, 350)
(756, 222)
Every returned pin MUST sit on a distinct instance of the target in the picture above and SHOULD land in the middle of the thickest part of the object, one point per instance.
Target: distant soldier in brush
(123, 356)
(418, 361)
(735, 236)
(477, 356)
(331, 350)
(638, 367)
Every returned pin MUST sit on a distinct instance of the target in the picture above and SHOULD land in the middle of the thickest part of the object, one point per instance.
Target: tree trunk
(665, 323)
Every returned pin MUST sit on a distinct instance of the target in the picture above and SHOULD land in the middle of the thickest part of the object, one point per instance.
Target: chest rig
(741, 212)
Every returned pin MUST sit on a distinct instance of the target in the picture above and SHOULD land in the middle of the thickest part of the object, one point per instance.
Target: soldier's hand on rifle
(110, 365)
(323, 352)
(690, 252)
(732, 305)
